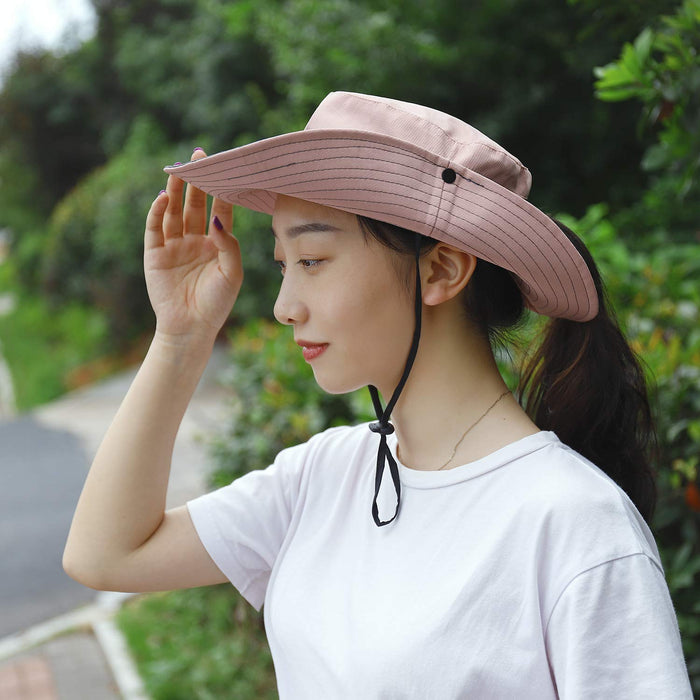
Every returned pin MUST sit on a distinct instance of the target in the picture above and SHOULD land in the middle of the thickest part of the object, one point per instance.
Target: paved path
(44, 458)
(42, 473)
(70, 668)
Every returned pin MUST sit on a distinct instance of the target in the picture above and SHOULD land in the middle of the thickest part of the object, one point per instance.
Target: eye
(306, 263)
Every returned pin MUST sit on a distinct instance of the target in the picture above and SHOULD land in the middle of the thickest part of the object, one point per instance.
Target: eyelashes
(306, 263)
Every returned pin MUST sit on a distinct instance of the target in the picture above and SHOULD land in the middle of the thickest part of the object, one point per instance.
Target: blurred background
(600, 100)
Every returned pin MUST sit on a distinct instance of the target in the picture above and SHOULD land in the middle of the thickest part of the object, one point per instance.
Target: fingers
(230, 261)
(177, 221)
(195, 214)
(224, 211)
(172, 221)
(154, 237)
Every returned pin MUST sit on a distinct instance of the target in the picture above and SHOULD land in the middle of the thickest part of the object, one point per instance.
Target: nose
(289, 308)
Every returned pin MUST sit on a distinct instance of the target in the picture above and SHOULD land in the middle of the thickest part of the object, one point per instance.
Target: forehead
(293, 214)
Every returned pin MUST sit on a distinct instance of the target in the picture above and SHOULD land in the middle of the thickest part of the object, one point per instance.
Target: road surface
(44, 458)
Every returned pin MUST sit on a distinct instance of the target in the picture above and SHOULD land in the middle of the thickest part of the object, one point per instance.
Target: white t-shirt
(525, 574)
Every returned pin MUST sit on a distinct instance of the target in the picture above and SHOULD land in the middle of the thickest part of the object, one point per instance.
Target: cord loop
(382, 426)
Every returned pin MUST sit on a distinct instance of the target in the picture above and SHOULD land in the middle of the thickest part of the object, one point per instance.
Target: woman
(460, 549)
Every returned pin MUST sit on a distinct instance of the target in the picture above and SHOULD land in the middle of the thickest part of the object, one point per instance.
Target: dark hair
(583, 382)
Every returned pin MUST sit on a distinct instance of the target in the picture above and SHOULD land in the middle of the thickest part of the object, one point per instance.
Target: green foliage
(48, 124)
(661, 69)
(179, 63)
(277, 401)
(20, 196)
(84, 136)
(95, 242)
(317, 47)
(203, 643)
(63, 114)
(261, 284)
(623, 18)
(42, 345)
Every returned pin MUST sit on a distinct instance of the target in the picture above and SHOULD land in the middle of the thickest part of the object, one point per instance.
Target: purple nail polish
(161, 192)
(198, 148)
(177, 164)
(218, 224)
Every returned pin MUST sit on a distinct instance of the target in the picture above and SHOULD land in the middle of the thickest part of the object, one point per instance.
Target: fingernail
(218, 224)
(198, 148)
(177, 164)
(161, 192)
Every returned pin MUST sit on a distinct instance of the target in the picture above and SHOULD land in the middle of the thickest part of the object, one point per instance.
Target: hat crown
(432, 130)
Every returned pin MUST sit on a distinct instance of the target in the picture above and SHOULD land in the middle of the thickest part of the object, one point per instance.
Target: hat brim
(395, 181)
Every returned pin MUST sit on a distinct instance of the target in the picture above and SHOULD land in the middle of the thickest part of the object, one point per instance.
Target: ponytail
(585, 384)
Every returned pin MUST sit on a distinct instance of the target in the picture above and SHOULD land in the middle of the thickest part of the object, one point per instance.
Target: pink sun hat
(417, 168)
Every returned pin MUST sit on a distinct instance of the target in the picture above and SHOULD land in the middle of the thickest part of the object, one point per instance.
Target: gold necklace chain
(473, 425)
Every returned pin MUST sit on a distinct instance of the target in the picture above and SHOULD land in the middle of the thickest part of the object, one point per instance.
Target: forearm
(123, 500)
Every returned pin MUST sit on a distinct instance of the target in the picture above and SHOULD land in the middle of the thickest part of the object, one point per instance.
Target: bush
(42, 346)
(661, 69)
(94, 253)
(204, 643)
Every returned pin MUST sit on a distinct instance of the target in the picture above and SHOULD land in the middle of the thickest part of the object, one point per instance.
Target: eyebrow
(315, 227)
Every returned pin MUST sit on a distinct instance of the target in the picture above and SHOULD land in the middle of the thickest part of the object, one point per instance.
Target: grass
(42, 346)
(199, 644)
(50, 350)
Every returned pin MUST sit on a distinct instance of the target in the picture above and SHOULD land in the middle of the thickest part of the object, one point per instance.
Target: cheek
(369, 320)
(393, 303)
(381, 323)
(369, 304)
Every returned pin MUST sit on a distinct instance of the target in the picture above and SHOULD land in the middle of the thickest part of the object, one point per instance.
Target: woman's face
(342, 295)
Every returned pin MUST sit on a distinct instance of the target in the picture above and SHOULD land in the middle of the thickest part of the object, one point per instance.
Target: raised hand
(193, 271)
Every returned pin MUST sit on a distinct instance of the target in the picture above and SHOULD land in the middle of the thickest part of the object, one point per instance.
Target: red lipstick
(311, 350)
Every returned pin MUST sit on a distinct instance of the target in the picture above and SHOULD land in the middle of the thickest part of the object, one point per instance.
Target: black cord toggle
(381, 428)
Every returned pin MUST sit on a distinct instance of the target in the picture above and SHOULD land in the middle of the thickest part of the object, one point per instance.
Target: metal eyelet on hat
(449, 175)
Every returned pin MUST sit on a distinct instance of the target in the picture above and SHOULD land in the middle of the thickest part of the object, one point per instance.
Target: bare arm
(121, 537)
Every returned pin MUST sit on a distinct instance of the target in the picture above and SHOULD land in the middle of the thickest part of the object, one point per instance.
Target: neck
(453, 383)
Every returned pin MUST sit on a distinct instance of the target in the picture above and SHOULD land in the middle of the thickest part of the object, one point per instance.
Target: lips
(311, 350)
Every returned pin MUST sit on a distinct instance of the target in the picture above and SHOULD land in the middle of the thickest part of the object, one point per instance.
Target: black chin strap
(383, 427)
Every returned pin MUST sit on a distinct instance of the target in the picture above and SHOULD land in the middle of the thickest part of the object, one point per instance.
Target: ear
(445, 272)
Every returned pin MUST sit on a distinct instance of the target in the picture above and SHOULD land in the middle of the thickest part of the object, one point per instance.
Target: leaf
(615, 82)
(643, 45)
(656, 157)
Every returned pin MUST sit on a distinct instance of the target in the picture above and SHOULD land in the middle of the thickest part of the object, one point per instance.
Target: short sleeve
(243, 525)
(613, 634)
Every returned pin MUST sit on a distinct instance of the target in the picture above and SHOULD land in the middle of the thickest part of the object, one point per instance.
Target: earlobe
(446, 272)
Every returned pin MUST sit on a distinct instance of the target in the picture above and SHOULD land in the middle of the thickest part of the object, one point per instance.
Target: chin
(337, 384)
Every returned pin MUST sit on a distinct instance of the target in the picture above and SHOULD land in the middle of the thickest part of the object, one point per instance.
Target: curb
(99, 617)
